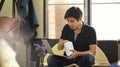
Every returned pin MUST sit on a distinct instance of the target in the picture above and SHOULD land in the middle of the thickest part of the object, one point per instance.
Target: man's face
(73, 23)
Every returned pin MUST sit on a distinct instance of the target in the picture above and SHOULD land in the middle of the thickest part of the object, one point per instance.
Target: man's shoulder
(66, 26)
(86, 26)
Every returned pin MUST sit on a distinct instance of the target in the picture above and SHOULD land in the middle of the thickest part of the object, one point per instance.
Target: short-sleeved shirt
(86, 37)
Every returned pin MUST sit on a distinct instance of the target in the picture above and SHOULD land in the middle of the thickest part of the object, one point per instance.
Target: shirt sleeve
(64, 33)
(92, 36)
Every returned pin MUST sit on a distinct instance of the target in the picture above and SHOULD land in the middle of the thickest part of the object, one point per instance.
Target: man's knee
(89, 58)
(50, 59)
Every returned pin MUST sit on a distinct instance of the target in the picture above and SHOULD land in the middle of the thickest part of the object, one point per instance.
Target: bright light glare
(7, 55)
(105, 19)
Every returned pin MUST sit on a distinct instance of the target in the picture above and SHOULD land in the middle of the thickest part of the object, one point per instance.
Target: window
(56, 12)
(105, 19)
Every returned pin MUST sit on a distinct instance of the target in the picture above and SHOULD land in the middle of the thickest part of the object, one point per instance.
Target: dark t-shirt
(86, 37)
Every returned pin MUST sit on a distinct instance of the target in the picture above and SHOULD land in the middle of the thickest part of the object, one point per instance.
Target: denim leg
(57, 61)
(88, 60)
(85, 61)
(51, 61)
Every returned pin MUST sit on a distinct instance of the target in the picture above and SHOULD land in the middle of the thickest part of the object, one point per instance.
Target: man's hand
(73, 55)
(61, 44)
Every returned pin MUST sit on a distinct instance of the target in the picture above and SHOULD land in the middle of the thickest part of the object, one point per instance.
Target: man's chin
(72, 28)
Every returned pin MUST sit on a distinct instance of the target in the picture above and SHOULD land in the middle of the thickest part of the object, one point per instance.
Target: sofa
(100, 58)
(107, 52)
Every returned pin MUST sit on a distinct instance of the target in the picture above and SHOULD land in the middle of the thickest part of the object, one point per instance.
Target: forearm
(61, 44)
(91, 51)
(79, 53)
(84, 53)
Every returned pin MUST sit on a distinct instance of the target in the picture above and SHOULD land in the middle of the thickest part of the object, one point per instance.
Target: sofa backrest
(110, 48)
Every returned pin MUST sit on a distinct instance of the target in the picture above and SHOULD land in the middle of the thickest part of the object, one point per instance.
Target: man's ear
(80, 18)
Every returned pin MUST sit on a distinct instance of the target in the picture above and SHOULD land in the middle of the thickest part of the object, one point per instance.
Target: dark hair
(74, 12)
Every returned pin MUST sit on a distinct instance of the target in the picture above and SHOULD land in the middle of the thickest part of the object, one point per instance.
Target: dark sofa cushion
(110, 48)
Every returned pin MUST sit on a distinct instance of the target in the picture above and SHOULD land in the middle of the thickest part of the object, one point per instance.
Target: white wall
(39, 11)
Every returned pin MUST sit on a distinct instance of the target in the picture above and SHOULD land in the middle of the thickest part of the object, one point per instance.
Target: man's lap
(61, 61)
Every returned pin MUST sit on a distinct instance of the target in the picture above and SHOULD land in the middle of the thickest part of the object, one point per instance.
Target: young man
(83, 38)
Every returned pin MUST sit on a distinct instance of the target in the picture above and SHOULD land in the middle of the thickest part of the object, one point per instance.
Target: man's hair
(74, 12)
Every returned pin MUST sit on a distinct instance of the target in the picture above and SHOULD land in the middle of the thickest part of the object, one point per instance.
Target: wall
(39, 11)
(7, 5)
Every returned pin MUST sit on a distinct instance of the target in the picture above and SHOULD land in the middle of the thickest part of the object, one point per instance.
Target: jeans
(82, 61)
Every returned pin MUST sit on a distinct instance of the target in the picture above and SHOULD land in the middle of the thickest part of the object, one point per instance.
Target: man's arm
(78, 53)
(61, 44)
(92, 50)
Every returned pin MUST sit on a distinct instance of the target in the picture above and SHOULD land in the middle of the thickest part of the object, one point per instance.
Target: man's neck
(78, 29)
